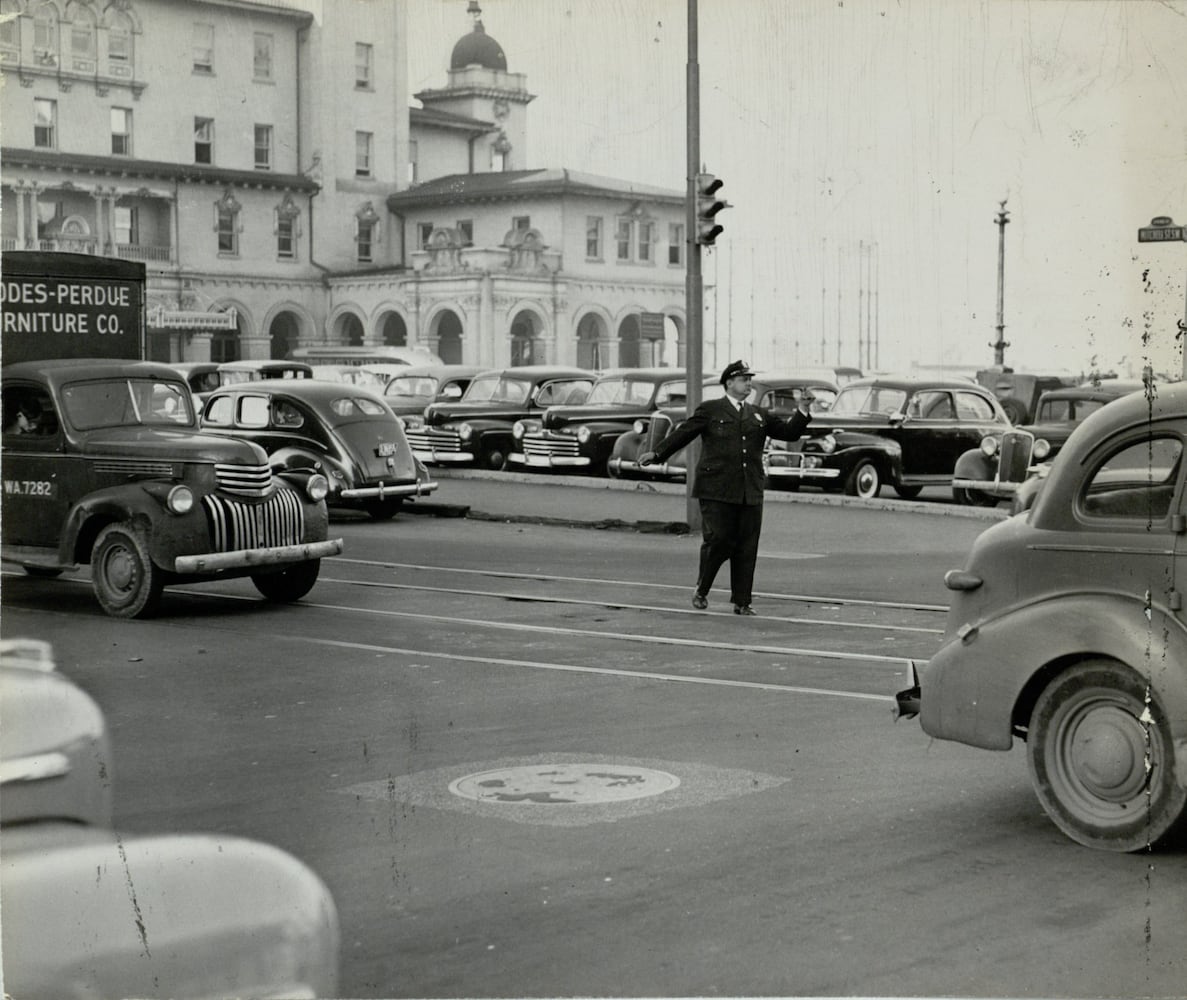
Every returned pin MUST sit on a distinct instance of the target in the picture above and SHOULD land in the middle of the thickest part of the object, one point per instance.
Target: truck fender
(95, 511)
(999, 663)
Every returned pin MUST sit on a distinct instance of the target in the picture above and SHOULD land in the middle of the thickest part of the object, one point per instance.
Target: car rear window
(1136, 482)
(354, 406)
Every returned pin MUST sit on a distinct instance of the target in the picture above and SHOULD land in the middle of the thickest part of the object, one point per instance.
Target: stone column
(100, 198)
(33, 240)
(484, 347)
(22, 237)
(199, 345)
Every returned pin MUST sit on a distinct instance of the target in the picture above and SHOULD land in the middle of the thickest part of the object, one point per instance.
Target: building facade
(266, 166)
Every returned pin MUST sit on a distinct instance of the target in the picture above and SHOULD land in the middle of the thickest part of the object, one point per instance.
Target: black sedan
(347, 433)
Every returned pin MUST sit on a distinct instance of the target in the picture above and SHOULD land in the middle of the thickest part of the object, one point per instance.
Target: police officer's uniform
(729, 483)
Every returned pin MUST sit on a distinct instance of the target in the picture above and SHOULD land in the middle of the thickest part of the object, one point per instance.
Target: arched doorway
(449, 338)
(527, 348)
(628, 343)
(395, 331)
(349, 330)
(224, 346)
(283, 336)
(591, 350)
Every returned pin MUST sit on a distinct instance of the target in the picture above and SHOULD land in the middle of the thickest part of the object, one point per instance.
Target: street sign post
(1162, 229)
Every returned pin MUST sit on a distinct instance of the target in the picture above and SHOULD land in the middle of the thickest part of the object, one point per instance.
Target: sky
(865, 148)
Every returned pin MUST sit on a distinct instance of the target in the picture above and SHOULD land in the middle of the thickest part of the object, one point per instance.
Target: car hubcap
(867, 481)
(1107, 750)
(119, 569)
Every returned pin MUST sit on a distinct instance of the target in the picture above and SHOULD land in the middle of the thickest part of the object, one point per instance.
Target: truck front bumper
(214, 562)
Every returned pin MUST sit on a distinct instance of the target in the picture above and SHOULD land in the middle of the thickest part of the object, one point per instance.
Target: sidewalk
(633, 505)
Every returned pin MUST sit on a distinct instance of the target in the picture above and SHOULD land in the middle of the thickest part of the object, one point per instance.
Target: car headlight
(465, 432)
(517, 430)
(1042, 448)
(180, 500)
(639, 426)
(989, 446)
(584, 434)
(316, 488)
(827, 444)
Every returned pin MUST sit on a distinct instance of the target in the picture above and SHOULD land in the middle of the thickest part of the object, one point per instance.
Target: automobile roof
(915, 382)
(1105, 390)
(267, 365)
(1127, 411)
(62, 370)
(312, 390)
(439, 370)
(533, 372)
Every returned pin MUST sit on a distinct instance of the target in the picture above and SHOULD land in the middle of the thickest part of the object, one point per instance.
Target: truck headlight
(180, 500)
(517, 430)
(989, 446)
(584, 434)
(465, 432)
(1042, 448)
(316, 488)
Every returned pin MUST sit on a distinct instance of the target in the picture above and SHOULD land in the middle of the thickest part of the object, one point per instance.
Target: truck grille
(555, 446)
(1014, 460)
(234, 525)
(243, 480)
(432, 439)
(133, 467)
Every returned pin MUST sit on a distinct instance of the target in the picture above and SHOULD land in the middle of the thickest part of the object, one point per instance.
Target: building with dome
(270, 169)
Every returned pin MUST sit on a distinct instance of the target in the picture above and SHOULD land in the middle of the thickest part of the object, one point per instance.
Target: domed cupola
(477, 48)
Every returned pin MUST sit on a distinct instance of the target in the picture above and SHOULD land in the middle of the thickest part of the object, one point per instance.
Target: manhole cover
(564, 784)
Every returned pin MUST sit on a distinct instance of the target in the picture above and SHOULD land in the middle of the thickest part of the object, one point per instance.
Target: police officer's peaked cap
(734, 370)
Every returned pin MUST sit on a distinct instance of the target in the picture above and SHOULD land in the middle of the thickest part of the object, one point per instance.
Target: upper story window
(424, 230)
(45, 34)
(226, 224)
(10, 31)
(263, 147)
(593, 237)
(82, 39)
(261, 56)
(363, 142)
(127, 225)
(646, 241)
(366, 227)
(119, 45)
(624, 228)
(521, 222)
(364, 55)
(466, 228)
(203, 140)
(286, 229)
(45, 123)
(676, 243)
(121, 132)
(203, 46)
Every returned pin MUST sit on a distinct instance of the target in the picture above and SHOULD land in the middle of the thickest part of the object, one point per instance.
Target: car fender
(985, 679)
(853, 447)
(975, 466)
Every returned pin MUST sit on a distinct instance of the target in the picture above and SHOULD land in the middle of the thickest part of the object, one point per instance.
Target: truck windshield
(127, 402)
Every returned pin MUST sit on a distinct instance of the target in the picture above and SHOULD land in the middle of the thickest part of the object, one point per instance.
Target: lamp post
(999, 347)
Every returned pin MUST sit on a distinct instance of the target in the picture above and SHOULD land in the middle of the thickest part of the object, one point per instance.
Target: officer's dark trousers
(729, 531)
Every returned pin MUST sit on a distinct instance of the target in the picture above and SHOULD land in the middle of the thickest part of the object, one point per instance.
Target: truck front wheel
(289, 584)
(125, 581)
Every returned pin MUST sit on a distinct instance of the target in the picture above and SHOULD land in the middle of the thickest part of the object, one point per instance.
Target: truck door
(35, 494)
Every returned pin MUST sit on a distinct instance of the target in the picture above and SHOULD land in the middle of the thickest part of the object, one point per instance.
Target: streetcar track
(621, 605)
(556, 578)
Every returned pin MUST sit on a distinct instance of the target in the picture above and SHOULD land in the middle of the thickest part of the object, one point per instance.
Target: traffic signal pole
(694, 290)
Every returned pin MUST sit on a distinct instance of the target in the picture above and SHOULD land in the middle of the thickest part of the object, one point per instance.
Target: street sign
(1160, 234)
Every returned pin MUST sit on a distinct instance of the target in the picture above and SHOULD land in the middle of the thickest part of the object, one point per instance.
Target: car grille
(243, 480)
(657, 429)
(553, 446)
(433, 439)
(1014, 456)
(234, 525)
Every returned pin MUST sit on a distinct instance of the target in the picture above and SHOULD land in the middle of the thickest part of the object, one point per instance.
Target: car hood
(173, 445)
(559, 416)
(442, 413)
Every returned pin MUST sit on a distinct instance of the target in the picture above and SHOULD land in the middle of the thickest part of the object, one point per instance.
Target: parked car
(352, 374)
(94, 912)
(200, 376)
(582, 437)
(1019, 392)
(414, 387)
(345, 432)
(903, 430)
(995, 469)
(477, 429)
(1083, 653)
(234, 372)
(647, 432)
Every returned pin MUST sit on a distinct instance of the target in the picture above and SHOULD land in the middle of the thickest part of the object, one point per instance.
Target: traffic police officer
(729, 479)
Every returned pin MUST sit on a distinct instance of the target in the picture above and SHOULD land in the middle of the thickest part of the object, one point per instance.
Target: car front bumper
(388, 491)
(433, 457)
(549, 461)
(993, 487)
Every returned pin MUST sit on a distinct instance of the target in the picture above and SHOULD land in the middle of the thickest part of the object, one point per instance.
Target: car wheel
(864, 481)
(908, 492)
(382, 510)
(1102, 759)
(973, 498)
(289, 584)
(42, 572)
(125, 581)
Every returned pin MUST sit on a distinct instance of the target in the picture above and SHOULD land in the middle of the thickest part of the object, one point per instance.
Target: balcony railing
(124, 251)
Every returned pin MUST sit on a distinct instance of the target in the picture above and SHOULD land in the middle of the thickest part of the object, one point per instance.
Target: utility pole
(999, 348)
(694, 281)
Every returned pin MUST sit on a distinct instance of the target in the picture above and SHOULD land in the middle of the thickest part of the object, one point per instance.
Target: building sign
(651, 326)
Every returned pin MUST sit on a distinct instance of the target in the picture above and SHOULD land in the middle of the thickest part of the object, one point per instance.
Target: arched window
(119, 45)
(82, 37)
(45, 33)
(10, 31)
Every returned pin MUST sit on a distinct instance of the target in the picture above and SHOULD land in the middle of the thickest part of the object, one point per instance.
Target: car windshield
(625, 390)
(868, 401)
(1067, 411)
(497, 388)
(412, 385)
(127, 402)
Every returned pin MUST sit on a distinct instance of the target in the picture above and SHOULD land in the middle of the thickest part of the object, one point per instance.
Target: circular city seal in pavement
(564, 784)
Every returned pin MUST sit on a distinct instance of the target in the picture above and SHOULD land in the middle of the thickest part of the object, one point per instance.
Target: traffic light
(709, 203)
